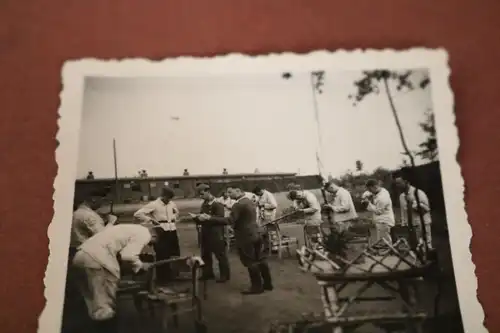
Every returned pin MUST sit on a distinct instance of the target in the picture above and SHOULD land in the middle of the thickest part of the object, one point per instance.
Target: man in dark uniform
(212, 237)
(250, 240)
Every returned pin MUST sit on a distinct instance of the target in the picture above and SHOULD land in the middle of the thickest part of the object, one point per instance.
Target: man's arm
(130, 253)
(271, 202)
(343, 206)
(383, 205)
(313, 204)
(220, 218)
(94, 224)
(144, 214)
(424, 201)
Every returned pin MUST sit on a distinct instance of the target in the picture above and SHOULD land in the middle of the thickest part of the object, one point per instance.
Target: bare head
(373, 186)
(235, 192)
(331, 187)
(258, 191)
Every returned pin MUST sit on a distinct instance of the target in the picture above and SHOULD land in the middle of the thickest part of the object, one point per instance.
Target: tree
(428, 148)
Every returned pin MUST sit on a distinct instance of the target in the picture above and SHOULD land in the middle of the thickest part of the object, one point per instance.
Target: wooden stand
(346, 285)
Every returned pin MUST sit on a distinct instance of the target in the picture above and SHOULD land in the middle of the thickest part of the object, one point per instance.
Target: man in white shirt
(340, 202)
(164, 213)
(226, 200)
(86, 221)
(410, 209)
(307, 203)
(266, 204)
(99, 269)
(378, 201)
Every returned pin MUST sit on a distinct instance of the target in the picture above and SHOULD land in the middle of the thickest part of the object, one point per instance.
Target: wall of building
(135, 190)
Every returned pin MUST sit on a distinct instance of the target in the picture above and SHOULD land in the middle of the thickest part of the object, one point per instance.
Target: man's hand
(193, 216)
(204, 217)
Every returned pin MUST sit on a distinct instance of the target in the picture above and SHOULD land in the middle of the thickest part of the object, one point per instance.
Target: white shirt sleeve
(144, 214)
(130, 253)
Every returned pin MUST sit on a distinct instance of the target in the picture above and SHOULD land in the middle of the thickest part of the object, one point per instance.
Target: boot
(255, 280)
(266, 276)
(224, 271)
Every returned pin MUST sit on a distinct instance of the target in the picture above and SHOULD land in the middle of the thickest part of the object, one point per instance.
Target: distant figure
(212, 237)
(164, 213)
(408, 198)
(98, 264)
(186, 172)
(378, 202)
(227, 202)
(250, 239)
(90, 175)
(256, 170)
(342, 206)
(224, 172)
(266, 204)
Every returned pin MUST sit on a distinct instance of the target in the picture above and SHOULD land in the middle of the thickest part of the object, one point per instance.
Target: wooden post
(117, 185)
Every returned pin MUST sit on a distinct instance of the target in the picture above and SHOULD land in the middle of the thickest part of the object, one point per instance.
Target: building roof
(192, 177)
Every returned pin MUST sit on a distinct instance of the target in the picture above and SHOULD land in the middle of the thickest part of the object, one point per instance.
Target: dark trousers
(253, 256)
(166, 247)
(217, 248)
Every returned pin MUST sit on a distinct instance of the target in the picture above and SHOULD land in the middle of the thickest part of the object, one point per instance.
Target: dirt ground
(296, 293)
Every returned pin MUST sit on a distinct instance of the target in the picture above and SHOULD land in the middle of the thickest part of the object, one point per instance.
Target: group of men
(101, 249)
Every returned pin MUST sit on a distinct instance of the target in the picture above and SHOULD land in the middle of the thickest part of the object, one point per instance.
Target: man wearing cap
(98, 268)
(212, 237)
(250, 240)
(164, 213)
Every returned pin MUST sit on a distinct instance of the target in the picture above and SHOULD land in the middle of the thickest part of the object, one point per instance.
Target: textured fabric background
(36, 37)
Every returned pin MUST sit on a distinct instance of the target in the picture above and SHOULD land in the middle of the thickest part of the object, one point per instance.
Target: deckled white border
(69, 124)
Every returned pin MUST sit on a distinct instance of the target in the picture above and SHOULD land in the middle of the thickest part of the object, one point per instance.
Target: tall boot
(255, 280)
(265, 272)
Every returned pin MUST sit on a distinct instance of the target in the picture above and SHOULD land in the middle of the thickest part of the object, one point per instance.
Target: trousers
(97, 286)
(217, 248)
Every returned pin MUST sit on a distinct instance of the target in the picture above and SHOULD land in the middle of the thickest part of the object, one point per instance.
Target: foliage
(373, 82)
(429, 148)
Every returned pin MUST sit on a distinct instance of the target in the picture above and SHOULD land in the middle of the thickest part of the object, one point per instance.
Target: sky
(241, 122)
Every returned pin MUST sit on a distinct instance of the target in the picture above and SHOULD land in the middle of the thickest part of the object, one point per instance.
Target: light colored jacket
(343, 206)
(126, 239)
(309, 200)
(424, 204)
(381, 207)
(267, 205)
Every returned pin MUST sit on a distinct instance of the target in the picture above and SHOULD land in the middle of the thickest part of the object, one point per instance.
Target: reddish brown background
(36, 37)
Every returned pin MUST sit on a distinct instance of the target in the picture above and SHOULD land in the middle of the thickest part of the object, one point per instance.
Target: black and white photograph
(272, 194)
